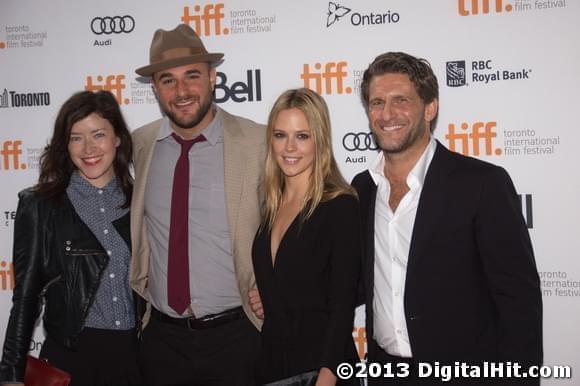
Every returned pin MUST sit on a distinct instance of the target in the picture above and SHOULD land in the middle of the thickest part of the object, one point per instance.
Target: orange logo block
(112, 83)
(6, 275)
(359, 335)
(2, 45)
(331, 73)
(475, 7)
(207, 22)
(10, 155)
(471, 140)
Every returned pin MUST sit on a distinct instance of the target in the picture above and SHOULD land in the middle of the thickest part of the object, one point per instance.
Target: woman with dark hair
(72, 251)
(306, 254)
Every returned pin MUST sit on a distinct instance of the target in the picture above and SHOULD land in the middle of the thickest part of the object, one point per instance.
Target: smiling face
(185, 96)
(293, 145)
(398, 117)
(92, 148)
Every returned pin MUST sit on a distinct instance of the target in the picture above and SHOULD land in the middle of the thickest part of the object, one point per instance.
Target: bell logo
(329, 72)
(475, 7)
(208, 22)
(471, 140)
(6, 276)
(10, 155)
(250, 90)
(113, 83)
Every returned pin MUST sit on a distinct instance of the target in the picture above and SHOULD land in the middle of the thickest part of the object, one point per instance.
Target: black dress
(309, 293)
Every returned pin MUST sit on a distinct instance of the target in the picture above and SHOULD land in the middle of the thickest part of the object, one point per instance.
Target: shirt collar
(416, 177)
(85, 188)
(212, 133)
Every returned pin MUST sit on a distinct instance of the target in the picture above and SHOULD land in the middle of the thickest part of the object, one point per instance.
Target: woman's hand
(256, 303)
(326, 378)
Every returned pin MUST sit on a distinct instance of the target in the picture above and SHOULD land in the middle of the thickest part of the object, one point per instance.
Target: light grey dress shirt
(213, 284)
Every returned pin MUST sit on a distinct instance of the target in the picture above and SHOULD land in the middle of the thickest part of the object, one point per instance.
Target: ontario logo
(337, 12)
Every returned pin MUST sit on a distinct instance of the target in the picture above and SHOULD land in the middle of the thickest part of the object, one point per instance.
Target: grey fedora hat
(176, 48)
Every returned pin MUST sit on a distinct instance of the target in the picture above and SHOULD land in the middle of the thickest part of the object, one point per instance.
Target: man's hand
(256, 303)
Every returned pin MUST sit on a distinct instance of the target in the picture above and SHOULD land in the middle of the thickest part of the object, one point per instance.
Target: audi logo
(112, 25)
(359, 141)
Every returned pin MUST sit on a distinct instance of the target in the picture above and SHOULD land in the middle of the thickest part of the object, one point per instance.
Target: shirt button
(115, 298)
(112, 276)
(102, 210)
(100, 191)
(397, 293)
(399, 331)
(117, 323)
(106, 231)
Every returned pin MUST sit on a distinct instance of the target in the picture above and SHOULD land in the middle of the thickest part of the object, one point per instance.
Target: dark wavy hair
(56, 166)
(417, 69)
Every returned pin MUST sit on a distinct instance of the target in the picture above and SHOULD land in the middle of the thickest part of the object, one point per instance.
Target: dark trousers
(103, 358)
(223, 355)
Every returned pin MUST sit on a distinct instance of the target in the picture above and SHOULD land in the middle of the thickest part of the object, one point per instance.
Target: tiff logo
(4, 99)
(10, 155)
(6, 276)
(208, 22)
(527, 209)
(359, 335)
(113, 83)
(475, 7)
(456, 73)
(472, 138)
(322, 80)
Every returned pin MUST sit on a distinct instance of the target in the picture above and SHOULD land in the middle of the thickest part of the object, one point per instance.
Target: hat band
(175, 53)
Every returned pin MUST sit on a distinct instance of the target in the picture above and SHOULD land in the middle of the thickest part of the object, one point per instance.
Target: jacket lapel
(431, 209)
(234, 170)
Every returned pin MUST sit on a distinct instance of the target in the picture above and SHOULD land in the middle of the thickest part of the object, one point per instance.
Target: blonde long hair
(326, 181)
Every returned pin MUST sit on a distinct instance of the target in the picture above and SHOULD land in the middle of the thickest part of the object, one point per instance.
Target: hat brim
(151, 69)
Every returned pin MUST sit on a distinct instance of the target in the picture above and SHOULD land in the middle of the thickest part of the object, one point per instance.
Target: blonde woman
(306, 254)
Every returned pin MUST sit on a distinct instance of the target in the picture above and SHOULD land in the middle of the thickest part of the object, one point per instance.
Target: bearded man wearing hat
(194, 213)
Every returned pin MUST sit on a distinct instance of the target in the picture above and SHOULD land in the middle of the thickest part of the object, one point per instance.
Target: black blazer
(472, 290)
(309, 294)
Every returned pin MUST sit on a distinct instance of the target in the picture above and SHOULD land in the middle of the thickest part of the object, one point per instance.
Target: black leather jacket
(57, 257)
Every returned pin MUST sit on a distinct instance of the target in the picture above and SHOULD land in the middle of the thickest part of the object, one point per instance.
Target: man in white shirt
(448, 267)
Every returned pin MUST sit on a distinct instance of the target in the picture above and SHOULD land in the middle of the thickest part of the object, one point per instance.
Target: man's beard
(196, 119)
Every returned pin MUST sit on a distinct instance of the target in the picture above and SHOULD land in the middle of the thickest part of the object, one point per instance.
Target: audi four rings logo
(112, 25)
(359, 141)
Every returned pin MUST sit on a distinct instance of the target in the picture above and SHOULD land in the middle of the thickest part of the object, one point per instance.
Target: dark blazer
(472, 290)
(56, 257)
(309, 294)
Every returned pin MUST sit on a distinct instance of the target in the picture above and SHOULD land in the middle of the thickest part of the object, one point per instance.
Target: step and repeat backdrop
(507, 70)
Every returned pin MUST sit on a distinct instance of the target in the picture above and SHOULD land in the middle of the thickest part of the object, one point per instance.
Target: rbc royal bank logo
(456, 73)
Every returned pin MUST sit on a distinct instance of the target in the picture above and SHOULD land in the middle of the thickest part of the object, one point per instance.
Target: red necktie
(178, 257)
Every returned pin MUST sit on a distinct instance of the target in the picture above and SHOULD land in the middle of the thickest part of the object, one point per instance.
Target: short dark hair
(418, 69)
(56, 166)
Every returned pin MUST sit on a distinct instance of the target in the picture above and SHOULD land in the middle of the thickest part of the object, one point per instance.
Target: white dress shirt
(393, 232)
